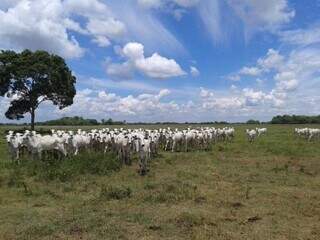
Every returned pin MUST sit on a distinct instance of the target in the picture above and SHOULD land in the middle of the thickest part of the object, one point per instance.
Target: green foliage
(64, 170)
(71, 121)
(251, 121)
(295, 119)
(79, 121)
(34, 77)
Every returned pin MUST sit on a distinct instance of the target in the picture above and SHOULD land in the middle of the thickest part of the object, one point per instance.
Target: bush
(114, 192)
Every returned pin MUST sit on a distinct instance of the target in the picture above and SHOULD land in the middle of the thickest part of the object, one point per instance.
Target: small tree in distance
(251, 121)
(30, 78)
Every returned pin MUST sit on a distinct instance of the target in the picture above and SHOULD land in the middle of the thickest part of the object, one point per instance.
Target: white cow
(37, 144)
(251, 134)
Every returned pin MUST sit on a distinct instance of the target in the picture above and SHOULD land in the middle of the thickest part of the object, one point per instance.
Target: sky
(175, 60)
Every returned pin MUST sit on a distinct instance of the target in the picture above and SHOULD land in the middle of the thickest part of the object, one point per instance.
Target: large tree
(30, 78)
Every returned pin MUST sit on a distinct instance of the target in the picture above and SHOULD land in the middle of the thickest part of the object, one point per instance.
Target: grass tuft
(115, 192)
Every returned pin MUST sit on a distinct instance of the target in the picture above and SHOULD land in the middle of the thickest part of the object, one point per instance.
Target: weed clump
(171, 192)
(188, 220)
(115, 192)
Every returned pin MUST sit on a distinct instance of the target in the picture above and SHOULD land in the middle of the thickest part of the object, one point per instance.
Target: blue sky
(175, 60)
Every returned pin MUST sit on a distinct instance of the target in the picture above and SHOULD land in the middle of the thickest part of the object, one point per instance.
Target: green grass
(266, 190)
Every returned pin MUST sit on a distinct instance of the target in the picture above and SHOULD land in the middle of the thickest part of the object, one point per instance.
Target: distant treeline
(79, 121)
(295, 119)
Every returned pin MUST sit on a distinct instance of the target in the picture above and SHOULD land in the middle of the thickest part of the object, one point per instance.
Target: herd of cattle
(126, 142)
(308, 133)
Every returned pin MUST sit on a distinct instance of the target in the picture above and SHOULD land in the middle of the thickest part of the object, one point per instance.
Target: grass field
(266, 190)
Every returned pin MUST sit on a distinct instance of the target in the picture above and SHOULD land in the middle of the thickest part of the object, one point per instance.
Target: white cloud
(48, 25)
(254, 16)
(253, 98)
(88, 8)
(234, 77)
(251, 71)
(133, 50)
(157, 66)
(101, 41)
(210, 14)
(165, 3)
(120, 71)
(124, 85)
(106, 27)
(262, 15)
(233, 88)
(286, 81)
(273, 60)
(194, 71)
(154, 66)
(145, 26)
(224, 104)
(150, 3)
(101, 103)
(37, 25)
(301, 37)
(205, 93)
(242, 101)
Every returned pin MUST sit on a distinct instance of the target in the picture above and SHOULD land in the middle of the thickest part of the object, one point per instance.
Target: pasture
(269, 189)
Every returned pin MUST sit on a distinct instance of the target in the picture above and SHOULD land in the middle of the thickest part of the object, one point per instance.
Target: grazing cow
(251, 134)
(144, 156)
(37, 144)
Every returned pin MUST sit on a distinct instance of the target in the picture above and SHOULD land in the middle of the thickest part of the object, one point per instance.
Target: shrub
(114, 192)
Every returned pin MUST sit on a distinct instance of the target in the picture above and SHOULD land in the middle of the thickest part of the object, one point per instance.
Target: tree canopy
(252, 121)
(295, 119)
(30, 78)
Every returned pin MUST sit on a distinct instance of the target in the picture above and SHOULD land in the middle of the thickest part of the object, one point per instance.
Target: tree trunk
(32, 118)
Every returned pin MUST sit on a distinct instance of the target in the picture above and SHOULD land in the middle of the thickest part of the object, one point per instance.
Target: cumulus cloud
(102, 103)
(243, 100)
(286, 81)
(155, 66)
(289, 76)
(272, 60)
(205, 93)
(49, 25)
(35, 25)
